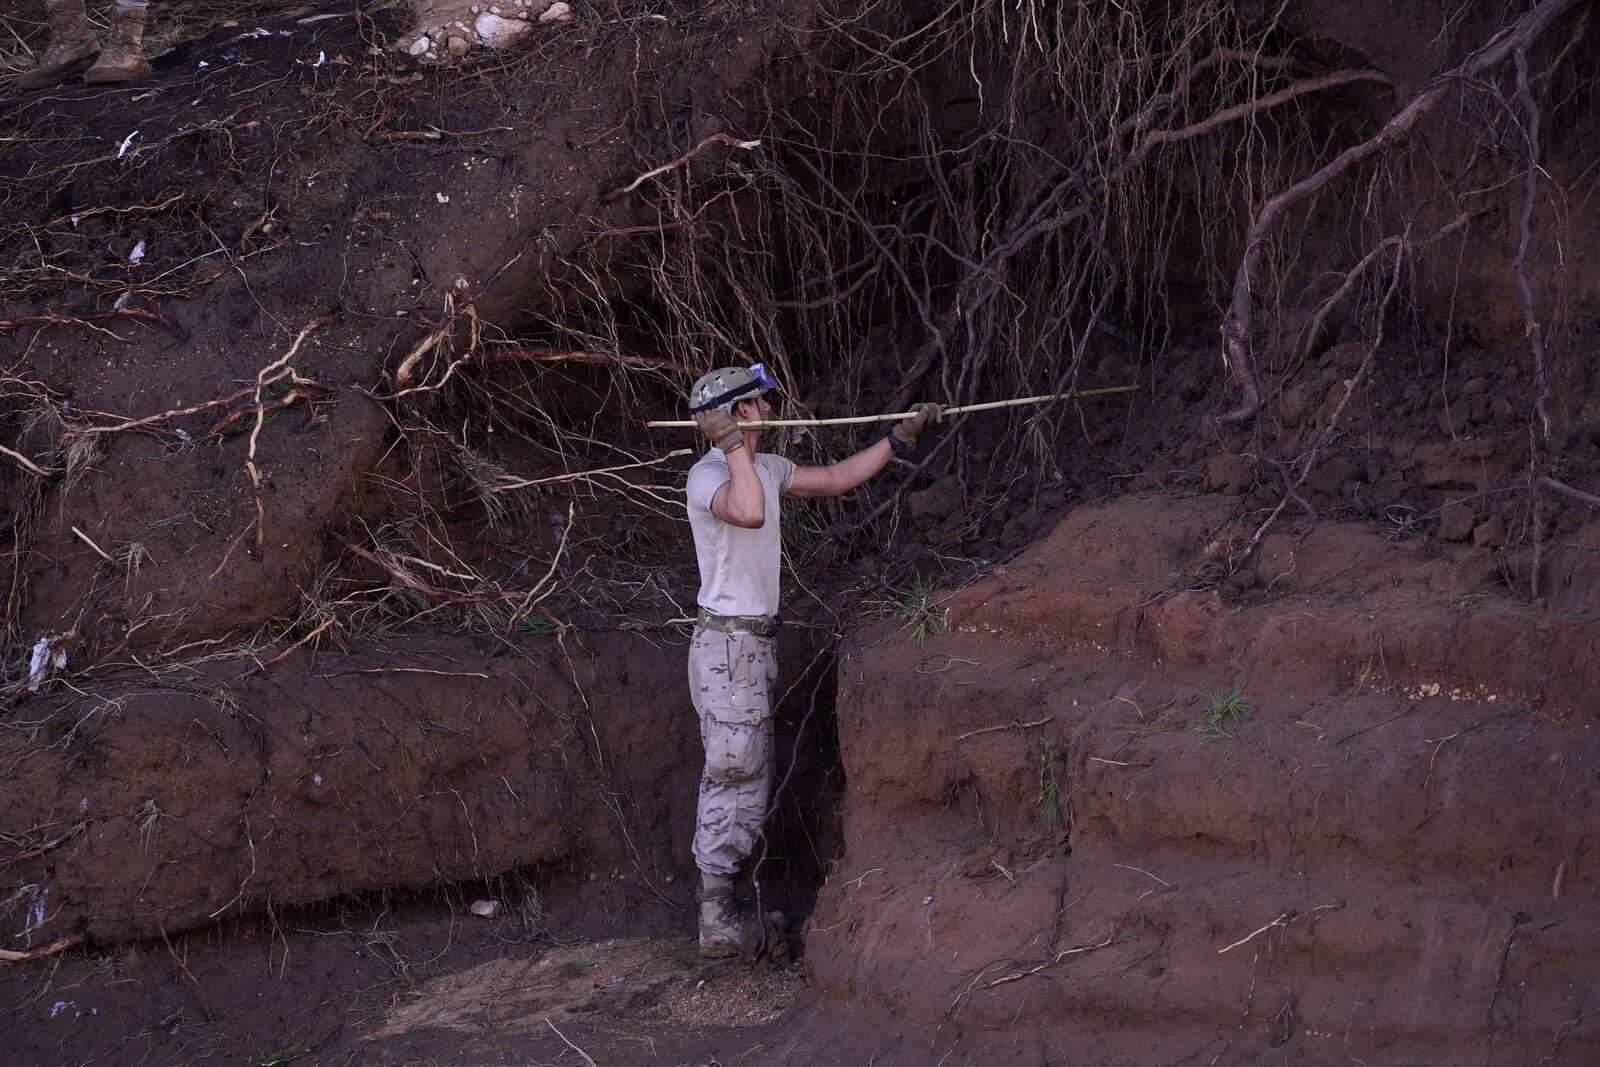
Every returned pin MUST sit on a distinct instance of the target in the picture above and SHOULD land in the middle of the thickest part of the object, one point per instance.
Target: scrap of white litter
(121, 301)
(202, 64)
(127, 142)
(322, 57)
(37, 664)
(137, 254)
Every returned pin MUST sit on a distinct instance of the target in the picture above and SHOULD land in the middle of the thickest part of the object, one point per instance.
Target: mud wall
(1388, 854)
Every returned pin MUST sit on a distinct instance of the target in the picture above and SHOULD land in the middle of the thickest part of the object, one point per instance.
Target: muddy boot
(72, 46)
(721, 935)
(123, 59)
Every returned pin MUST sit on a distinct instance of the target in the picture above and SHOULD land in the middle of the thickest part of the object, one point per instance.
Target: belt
(755, 625)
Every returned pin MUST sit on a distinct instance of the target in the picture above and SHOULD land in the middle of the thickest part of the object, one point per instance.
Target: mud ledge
(1391, 856)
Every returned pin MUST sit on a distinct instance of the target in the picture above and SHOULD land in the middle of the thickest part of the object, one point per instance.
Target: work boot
(725, 933)
(72, 46)
(721, 934)
(123, 60)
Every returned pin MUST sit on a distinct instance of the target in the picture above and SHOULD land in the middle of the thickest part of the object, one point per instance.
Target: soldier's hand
(716, 424)
(908, 430)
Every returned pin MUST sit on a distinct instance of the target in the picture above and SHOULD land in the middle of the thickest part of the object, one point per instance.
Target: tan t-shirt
(738, 567)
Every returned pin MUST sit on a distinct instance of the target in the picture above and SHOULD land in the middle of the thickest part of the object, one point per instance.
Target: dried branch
(27, 464)
(60, 944)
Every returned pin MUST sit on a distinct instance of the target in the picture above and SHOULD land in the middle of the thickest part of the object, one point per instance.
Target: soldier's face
(754, 411)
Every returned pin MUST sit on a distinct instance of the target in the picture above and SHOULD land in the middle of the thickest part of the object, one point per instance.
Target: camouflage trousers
(730, 679)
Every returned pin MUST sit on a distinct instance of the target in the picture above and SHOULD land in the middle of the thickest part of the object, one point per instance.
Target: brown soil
(1390, 856)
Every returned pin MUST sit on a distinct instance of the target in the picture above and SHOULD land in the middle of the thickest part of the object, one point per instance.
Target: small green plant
(272, 392)
(686, 958)
(915, 606)
(275, 1059)
(537, 625)
(575, 968)
(1049, 787)
(1219, 711)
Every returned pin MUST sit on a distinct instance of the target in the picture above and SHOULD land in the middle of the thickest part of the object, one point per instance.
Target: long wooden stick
(860, 420)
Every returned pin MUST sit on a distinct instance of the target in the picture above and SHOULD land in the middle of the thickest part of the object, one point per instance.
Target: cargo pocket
(735, 752)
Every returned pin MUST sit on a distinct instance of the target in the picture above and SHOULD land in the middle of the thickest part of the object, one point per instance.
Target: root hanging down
(1237, 325)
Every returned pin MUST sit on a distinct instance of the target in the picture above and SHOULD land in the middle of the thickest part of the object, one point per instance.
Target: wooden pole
(861, 420)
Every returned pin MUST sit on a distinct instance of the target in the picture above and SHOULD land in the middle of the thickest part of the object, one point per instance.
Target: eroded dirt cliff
(1243, 717)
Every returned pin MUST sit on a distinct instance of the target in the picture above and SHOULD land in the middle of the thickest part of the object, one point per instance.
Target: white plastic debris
(127, 143)
(486, 908)
(137, 255)
(39, 663)
(322, 57)
(202, 64)
(443, 198)
(121, 301)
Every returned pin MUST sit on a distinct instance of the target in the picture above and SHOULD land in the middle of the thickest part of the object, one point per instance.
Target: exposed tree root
(1237, 325)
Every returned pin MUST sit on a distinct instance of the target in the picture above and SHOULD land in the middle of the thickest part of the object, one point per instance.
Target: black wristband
(897, 446)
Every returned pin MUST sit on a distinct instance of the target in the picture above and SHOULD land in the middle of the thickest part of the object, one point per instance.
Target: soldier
(733, 495)
(73, 47)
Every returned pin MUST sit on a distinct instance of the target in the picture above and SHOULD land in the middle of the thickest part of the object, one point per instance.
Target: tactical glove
(907, 431)
(719, 427)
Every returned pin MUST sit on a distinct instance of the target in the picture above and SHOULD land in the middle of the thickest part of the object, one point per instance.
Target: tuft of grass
(916, 607)
(537, 625)
(1220, 710)
(576, 968)
(686, 958)
(1049, 787)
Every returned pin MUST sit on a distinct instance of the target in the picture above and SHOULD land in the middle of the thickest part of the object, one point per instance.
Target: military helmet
(726, 385)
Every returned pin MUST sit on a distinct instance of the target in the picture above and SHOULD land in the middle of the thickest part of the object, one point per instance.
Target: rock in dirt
(1297, 402)
(1230, 473)
(1490, 534)
(1471, 463)
(1457, 520)
(495, 31)
(932, 504)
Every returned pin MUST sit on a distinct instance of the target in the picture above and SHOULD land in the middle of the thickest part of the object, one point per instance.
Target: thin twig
(1012, 725)
(1283, 920)
(102, 553)
(716, 138)
(575, 1048)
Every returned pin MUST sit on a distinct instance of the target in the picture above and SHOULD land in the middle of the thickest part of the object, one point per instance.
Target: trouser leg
(730, 680)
